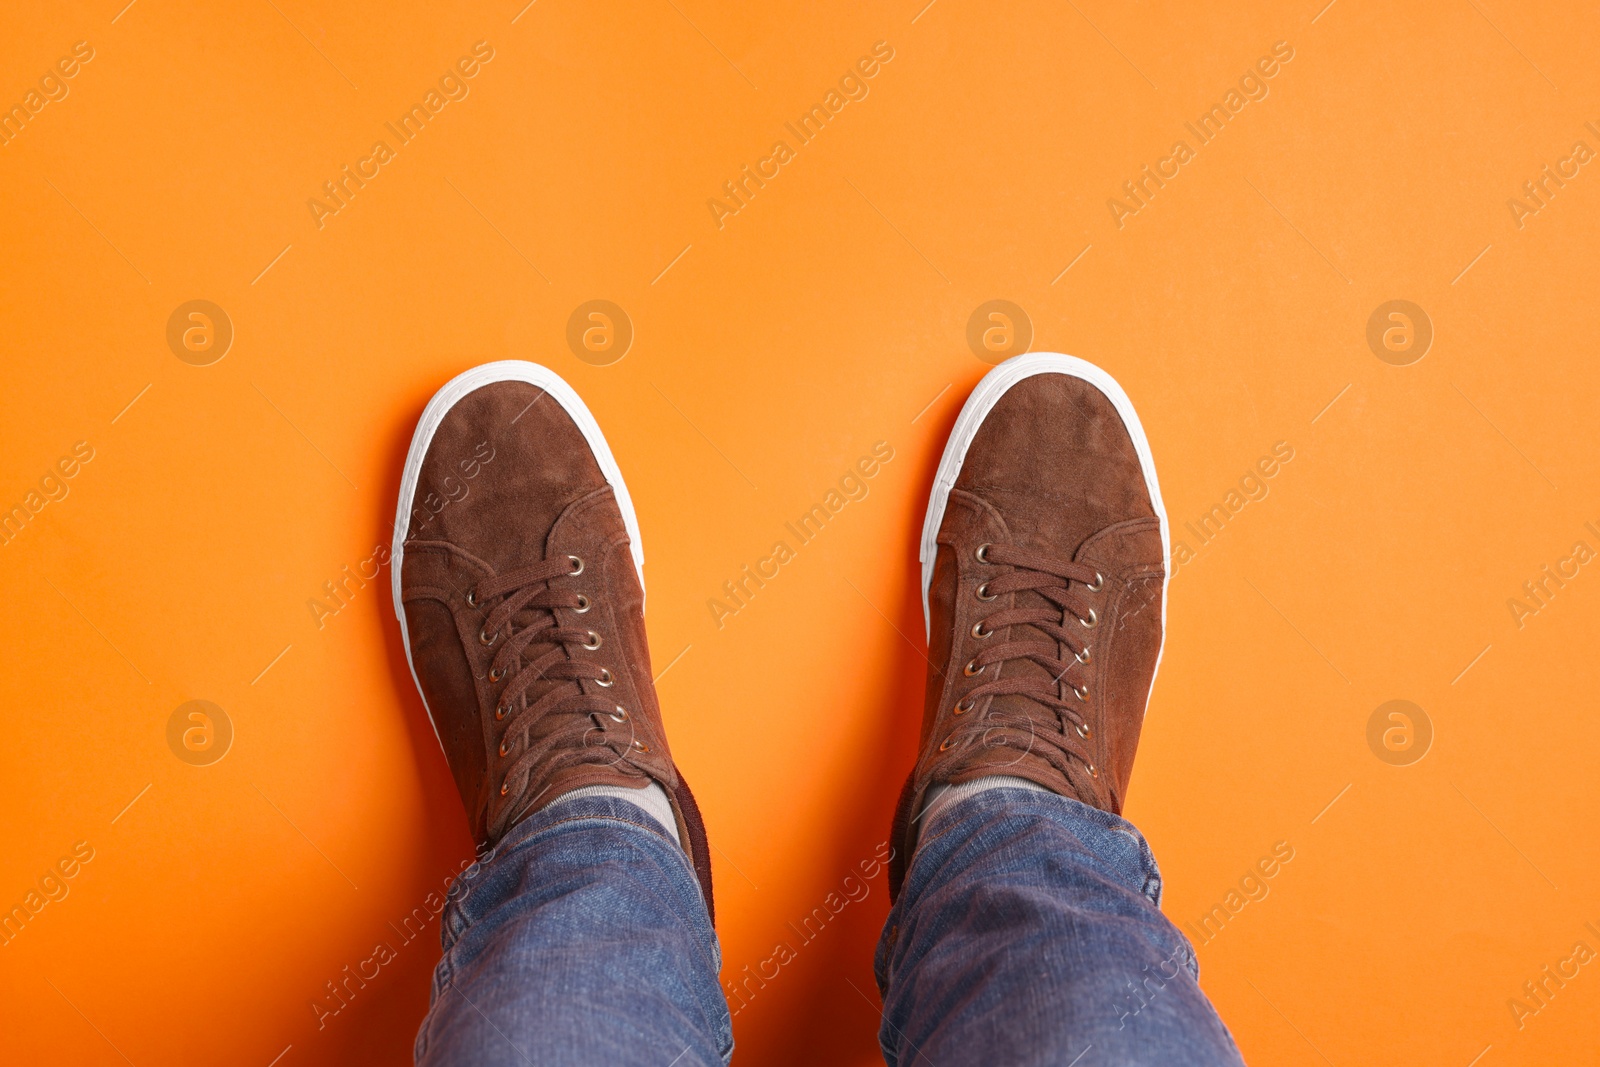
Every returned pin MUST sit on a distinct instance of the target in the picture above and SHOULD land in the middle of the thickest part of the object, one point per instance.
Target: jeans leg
(583, 940)
(1029, 930)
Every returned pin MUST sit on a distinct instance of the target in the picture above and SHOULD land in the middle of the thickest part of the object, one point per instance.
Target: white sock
(941, 797)
(652, 800)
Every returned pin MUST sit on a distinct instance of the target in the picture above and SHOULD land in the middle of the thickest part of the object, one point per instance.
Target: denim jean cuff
(1090, 824)
(521, 836)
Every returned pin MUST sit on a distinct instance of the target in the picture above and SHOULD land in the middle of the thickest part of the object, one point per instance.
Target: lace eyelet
(577, 566)
(1084, 730)
(596, 641)
(505, 749)
(495, 674)
(504, 788)
(982, 592)
(639, 746)
(583, 604)
(1082, 657)
(1094, 772)
(1082, 691)
(979, 632)
(1099, 583)
(486, 639)
(983, 552)
(620, 715)
(963, 706)
(472, 598)
(972, 669)
(500, 711)
(1089, 623)
(605, 681)
(945, 745)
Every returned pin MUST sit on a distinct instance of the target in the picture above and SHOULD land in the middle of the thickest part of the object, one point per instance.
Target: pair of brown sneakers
(518, 582)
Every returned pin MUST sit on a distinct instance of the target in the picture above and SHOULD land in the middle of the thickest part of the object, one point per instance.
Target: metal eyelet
(640, 746)
(945, 746)
(1099, 583)
(472, 598)
(979, 632)
(505, 748)
(620, 715)
(1082, 691)
(500, 712)
(495, 674)
(963, 705)
(1084, 731)
(972, 669)
(1082, 657)
(577, 566)
(982, 592)
(605, 681)
(983, 552)
(1094, 772)
(485, 638)
(597, 642)
(583, 604)
(504, 788)
(1089, 623)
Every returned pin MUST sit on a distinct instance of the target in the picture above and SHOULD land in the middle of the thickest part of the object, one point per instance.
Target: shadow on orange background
(1421, 544)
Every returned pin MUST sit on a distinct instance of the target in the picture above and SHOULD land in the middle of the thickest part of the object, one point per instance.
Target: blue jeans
(1027, 932)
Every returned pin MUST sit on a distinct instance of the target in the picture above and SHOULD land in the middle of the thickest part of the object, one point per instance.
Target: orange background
(828, 314)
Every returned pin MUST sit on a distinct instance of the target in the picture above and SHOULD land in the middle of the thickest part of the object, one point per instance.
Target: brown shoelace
(563, 726)
(1068, 619)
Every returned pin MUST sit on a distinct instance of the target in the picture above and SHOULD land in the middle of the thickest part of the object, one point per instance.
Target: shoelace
(1068, 623)
(584, 726)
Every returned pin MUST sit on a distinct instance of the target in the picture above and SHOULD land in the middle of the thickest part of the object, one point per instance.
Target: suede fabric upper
(1053, 471)
(509, 482)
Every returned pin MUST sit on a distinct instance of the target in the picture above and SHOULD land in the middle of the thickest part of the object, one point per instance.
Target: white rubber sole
(507, 370)
(984, 397)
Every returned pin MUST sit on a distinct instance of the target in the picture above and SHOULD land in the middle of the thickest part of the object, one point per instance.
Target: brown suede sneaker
(1044, 569)
(519, 585)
